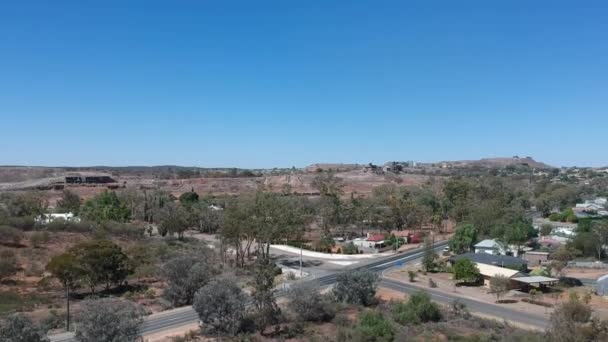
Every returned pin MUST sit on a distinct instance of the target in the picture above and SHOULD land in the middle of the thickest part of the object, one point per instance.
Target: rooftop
(489, 243)
(494, 271)
(376, 237)
(536, 280)
(489, 259)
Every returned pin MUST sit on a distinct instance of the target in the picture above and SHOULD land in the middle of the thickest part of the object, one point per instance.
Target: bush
(356, 287)
(54, 320)
(10, 235)
(374, 327)
(309, 304)
(115, 319)
(8, 264)
(412, 275)
(39, 238)
(350, 248)
(185, 275)
(123, 229)
(23, 223)
(221, 307)
(466, 270)
(60, 225)
(20, 328)
(418, 309)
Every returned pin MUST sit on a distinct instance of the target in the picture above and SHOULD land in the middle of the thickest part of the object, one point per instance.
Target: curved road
(186, 315)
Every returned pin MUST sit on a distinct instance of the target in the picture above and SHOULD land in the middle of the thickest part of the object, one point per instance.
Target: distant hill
(501, 162)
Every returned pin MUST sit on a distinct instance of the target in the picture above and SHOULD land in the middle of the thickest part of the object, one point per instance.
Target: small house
(494, 260)
(491, 246)
(372, 241)
(536, 258)
(489, 271)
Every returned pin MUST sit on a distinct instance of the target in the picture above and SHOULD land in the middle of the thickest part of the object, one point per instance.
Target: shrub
(412, 275)
(221, 306)
(54, 320)
(185, 275)
(8, 264)
(10, 235)
(356, 287)
(350, 248)
(39, 238)
(418, 309)
(20, 328)
(114, 319)
(374, 327)
(123, 229)
(23, 223)
(309, 304)
(60, 225)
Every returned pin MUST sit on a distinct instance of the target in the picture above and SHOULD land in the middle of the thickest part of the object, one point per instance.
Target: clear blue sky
(286, 82)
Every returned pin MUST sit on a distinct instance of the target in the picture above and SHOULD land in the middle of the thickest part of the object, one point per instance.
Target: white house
(490, 246)
(47, 218)
(372, 241)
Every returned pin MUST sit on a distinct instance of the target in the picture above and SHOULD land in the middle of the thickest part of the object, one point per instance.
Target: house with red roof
(373, 240)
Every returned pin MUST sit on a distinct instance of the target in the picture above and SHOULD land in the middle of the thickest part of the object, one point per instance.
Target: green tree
(174, 220)
(188, 198)
(30, 204)
(600, 231)
(517, 234)
(310, 305)
(66, 268)
(356, 287)
(185, 275)
(587, 244)
(221, 306)
(465, 236)
(69, 202)
(105, 206)
(101, 262)
(328, 184)
(466, 270)
(109, 320)
(546, 229)
(499, 285)
(429, 256)
(267, 312)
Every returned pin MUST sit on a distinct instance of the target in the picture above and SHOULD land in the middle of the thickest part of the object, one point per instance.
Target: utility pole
(300, 260)
(67, 296)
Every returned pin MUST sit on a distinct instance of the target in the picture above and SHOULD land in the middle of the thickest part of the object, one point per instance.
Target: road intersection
(186, 315)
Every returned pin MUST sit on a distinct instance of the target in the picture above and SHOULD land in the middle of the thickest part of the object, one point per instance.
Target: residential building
(492, 259)
(50, 217)
(491, 246)
(536, 258)
(371, 241)
(489, 271)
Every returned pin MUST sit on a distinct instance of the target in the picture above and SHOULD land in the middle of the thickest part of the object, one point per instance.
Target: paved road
(493, 310)
(182, 316)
